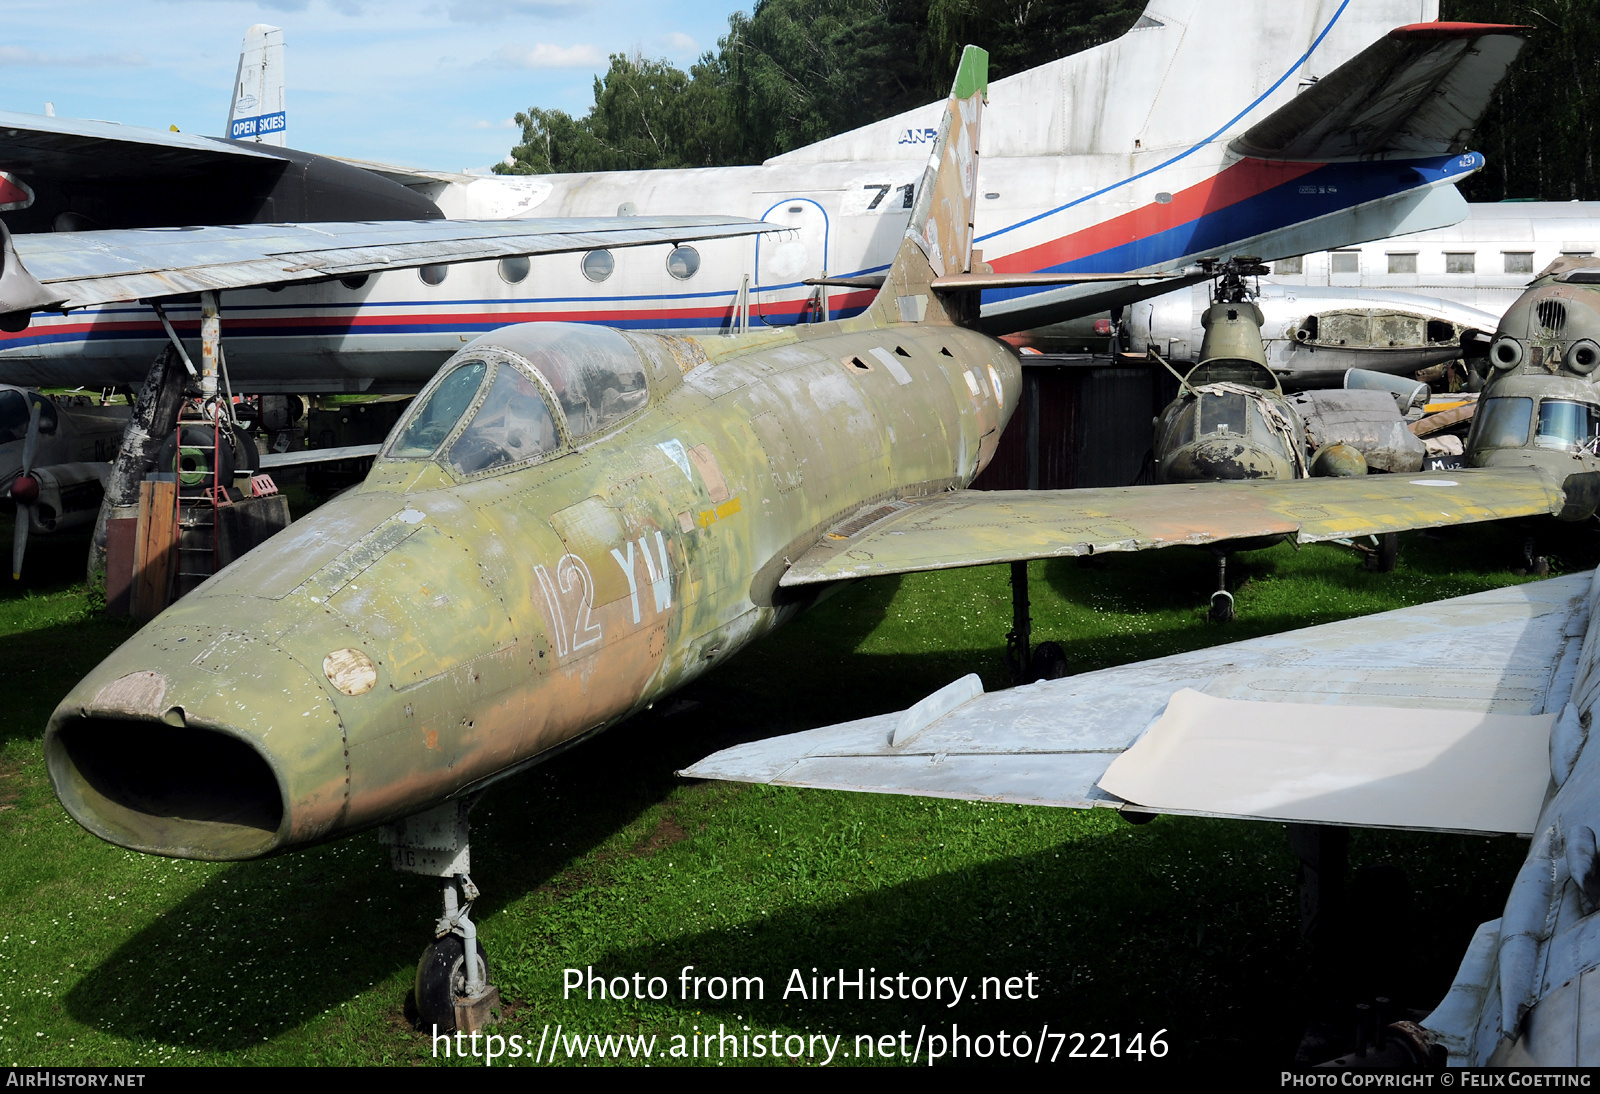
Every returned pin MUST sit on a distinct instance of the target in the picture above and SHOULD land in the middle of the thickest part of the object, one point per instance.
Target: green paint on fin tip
(973, 75)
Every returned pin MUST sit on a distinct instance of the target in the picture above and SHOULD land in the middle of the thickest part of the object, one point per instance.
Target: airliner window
(512, 425)
(437, 413)
(1503, 423)
(683, 263)
(597, 265)
(514, 270)
(1222, 413)
(13, 416)
(1567, 426)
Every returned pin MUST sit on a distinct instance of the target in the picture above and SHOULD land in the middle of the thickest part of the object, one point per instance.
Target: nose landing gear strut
(452, 987)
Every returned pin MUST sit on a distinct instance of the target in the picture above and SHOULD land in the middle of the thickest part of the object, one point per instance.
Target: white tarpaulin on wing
(1401, 767)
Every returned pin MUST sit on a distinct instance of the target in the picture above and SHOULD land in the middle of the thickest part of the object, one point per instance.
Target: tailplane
(257, 111)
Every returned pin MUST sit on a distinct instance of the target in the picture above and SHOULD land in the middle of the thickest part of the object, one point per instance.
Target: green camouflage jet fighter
(572, 522)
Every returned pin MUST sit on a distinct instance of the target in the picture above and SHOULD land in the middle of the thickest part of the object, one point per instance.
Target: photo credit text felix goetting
(927, 1042)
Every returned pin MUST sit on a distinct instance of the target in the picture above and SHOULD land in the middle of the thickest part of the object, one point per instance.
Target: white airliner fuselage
(1110, 160)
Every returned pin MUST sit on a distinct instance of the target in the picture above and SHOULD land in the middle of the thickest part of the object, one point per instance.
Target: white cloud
(508, 123)
(679, 42)
(545, 55)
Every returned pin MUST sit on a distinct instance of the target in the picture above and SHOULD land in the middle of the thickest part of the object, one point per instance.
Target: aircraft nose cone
(200, 742)
(25, 489)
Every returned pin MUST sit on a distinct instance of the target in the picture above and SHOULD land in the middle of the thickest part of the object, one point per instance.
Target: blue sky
(420, 83)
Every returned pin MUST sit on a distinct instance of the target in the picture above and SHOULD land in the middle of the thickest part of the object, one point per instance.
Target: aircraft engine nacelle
(67, 496)
(1553, 329)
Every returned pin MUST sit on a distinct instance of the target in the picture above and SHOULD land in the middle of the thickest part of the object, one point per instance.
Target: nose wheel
(452, 986)
(453, 991)
(1221, 606)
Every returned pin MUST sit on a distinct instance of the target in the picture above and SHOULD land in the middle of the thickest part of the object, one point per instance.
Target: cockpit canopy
(1563, 424)
(504, 400)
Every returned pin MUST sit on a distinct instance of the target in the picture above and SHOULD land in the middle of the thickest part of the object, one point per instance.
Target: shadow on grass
(1186, 924)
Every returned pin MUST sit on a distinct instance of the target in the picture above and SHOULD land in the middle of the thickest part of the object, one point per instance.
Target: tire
(192, 458)
(441, 979)
(1049, 661)
(245, 456)
(1221, 607)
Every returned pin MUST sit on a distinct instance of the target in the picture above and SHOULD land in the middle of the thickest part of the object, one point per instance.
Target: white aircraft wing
(80, 269)
(1435, 717)
(1418, 91)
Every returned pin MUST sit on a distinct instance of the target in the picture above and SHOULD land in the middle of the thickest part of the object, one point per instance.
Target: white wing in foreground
(1491, 669)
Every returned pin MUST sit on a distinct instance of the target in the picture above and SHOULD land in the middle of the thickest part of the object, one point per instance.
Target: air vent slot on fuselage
(1552, 315)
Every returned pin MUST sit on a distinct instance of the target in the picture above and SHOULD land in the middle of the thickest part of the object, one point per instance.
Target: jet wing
(1417, 91)
(80, 269)
(975, 527)
(1435, 717)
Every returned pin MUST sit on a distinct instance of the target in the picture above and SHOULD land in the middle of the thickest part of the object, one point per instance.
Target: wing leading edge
(976, 527)
(1491, 670)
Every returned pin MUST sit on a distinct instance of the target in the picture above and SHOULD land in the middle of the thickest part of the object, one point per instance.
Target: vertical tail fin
(938, 238)
(257, 111)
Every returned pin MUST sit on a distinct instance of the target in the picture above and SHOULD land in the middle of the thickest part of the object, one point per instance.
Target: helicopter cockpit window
(13, 416)
(1259, 428)
(1568, 426)
(1223, 413)
(1503, 423)
(512, 425)
(595, 372)
(437, 413)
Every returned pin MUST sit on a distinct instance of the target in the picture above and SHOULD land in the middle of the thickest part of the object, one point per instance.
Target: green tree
(797, 71)
(646, 114)
(1538, 134)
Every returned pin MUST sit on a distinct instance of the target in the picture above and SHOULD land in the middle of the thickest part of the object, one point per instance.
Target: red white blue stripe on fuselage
(1245, 200)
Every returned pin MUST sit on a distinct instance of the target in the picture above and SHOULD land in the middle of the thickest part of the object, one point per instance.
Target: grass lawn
(603, 858)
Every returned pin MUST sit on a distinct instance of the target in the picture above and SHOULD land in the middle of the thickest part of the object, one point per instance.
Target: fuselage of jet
(448, 621)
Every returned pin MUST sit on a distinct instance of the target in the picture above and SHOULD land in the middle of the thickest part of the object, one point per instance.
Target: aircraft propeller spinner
(25, 492)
